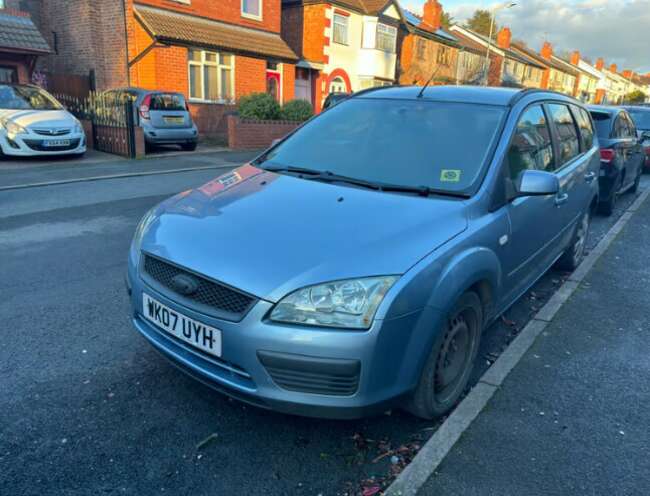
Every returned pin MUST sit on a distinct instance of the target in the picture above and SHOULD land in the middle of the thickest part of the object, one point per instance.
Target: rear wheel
(576, 251)
(449, 365)
(607, 207)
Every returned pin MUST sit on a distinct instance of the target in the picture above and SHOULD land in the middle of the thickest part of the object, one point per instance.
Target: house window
(421, 48)
(2, 4)
(251, 8)
(8, 74)
(386, 37)
(341, 29)
(444, 55)
(211, 76)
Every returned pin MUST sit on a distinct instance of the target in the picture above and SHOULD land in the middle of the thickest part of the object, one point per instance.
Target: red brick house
(214, 52)
(20, 45)
(428, 49)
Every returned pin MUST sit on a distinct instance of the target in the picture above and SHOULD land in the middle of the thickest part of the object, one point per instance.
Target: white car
(34, 123)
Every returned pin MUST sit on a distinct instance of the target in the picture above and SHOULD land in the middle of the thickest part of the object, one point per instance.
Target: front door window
(273, 84)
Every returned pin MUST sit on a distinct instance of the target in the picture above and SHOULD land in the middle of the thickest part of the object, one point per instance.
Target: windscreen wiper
(386, 187)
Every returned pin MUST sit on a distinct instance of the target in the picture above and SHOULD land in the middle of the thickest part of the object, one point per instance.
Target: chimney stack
(600, 63)
(612, 68)
(432, 15)
(504, 37)
(627, 73)
(575, 57)
(547, 50)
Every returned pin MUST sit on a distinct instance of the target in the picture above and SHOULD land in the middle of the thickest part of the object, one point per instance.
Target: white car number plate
(55, 143)
(191, 331)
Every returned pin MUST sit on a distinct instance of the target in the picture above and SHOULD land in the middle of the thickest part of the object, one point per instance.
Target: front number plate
(55, 143)
(191, 331)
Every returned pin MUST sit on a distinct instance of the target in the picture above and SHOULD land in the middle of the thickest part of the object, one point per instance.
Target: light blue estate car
(352, 267)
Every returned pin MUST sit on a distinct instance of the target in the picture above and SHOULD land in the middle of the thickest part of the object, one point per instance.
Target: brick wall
(288, 82)
(303, 28)
(212, 119)
(413, 70)
(226, 10)
(250, 76)
(245, 134)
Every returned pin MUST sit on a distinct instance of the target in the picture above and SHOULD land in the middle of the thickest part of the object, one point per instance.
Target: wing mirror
(537, 183)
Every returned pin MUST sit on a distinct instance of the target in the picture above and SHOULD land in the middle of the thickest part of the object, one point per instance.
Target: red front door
(273, 84)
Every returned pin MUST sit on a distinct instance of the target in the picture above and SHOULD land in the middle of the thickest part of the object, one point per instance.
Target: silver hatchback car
(163, 115)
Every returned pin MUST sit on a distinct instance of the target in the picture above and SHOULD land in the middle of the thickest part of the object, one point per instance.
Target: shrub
(260, 106)
(297, 110)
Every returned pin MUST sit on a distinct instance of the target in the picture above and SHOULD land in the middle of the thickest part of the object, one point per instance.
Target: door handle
(590, 176)
(561, 199)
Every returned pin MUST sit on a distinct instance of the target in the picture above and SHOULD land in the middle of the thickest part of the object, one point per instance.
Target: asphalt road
(88, 407)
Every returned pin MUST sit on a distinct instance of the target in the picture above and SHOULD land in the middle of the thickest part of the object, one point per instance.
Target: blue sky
(617, 30)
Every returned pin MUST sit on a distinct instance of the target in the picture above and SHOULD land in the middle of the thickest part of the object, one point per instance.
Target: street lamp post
(486, 64)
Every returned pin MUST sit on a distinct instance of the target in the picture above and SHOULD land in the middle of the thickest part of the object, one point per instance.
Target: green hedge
(262, 106)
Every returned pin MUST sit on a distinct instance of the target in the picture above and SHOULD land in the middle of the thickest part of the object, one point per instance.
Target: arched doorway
(338, 85)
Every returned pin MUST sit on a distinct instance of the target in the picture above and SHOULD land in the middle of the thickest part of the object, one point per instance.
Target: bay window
(386, 37)
(211, 76)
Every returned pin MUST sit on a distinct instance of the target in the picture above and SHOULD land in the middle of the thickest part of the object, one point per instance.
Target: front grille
(333, 377)
(38, 146)
(52, 132)
(230, 303)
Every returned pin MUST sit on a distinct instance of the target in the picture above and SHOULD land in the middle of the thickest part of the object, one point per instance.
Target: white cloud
(617, 30)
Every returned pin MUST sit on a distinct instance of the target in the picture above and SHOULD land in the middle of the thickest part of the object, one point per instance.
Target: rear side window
(603, 122)
(621, 129)
(167, 101)
(531, 146)
(567, 132)
(630, 125)
(586, 129)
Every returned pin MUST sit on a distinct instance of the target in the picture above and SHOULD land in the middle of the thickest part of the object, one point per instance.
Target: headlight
(13, 128)
(349, 304)
(77, 128)
(140, 231)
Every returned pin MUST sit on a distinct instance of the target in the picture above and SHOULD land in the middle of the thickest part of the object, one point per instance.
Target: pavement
(572, 417)
(88, 407)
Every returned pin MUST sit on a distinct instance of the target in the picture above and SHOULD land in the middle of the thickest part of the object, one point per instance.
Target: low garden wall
(253, 134)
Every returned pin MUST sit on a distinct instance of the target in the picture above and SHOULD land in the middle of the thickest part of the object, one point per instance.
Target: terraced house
(20, 43)
(427, 49)
(343, 45)
(212, 52)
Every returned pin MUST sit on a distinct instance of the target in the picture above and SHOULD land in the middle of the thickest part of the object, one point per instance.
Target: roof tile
(19, 33)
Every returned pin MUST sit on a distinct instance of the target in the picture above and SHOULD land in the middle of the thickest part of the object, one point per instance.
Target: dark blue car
(352, 267)
(621, 154)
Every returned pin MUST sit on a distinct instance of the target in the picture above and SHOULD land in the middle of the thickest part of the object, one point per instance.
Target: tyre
(189, 147)
(450, 361)
(576, 250)
(637, 181)
(607, 207)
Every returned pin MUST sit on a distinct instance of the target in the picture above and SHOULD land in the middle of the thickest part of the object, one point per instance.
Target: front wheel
(449, 365)
(576, 250)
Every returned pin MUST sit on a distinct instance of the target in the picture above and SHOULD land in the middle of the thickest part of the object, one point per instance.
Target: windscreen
(641, 119)
(415, 143)
(26, 98)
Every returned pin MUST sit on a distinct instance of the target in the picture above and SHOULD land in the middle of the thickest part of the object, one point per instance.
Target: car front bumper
(384, 362)
(161, 136)
(32, 145)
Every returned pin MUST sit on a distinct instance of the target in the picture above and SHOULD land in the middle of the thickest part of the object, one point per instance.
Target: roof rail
(527, 91)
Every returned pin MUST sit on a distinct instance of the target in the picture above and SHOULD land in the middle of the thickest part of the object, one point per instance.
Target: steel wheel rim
(581, 238)
(453, 358)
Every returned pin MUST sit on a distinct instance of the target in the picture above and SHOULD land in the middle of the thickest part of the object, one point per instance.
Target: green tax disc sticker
(450, 175)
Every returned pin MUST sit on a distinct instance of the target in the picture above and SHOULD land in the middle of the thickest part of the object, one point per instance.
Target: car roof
(636, 108)
(464, 94)
(605, 109)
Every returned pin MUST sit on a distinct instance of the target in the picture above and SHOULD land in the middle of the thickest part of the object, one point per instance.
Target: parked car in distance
(34, 123)
(396, 227)
(334, 98)
(163, 115)
(621, 154)
(641, 117)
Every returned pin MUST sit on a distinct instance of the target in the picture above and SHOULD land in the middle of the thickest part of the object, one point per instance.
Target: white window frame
(248, 15)
(344, 21)
(387, 31)
(202, 64)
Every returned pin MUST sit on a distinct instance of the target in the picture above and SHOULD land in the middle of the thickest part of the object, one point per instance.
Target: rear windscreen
(603, 124)
(167, 101)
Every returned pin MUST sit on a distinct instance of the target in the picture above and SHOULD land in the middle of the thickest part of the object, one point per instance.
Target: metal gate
(113, 119)
(114, 124)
